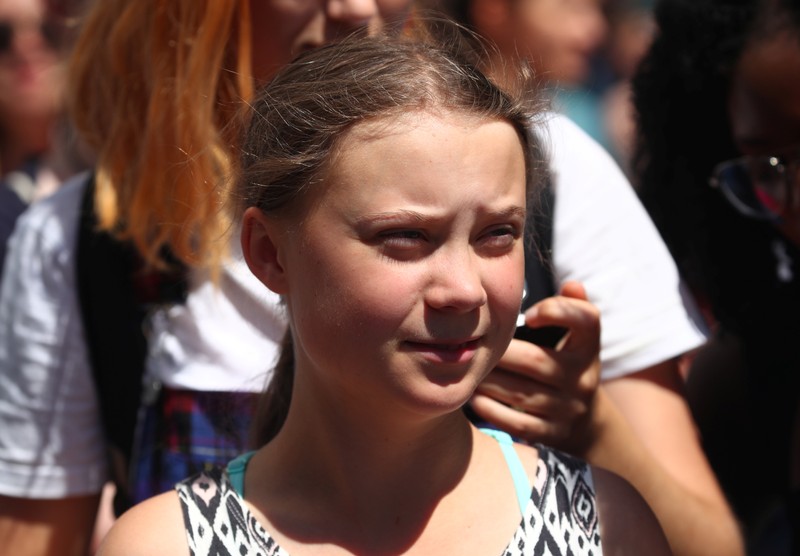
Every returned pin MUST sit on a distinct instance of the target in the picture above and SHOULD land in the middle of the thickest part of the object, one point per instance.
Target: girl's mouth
(446, 352)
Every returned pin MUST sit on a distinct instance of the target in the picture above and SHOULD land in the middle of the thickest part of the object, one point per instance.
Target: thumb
(574, 289)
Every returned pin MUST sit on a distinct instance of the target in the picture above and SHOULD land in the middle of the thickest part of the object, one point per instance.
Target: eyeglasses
(49, 29)
(760, 187)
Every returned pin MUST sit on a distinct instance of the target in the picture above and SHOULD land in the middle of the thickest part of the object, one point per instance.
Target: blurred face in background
(764, 112)
(558, 36)
(31, 73)
(284, 28)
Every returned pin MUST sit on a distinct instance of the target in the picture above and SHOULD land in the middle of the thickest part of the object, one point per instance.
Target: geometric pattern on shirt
(217, 521)
(560, 518)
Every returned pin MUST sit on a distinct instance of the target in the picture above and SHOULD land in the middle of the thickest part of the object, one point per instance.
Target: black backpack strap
(112, 320)
(539, 280)
(113, 290)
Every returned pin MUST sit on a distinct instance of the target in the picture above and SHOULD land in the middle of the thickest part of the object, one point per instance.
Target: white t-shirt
(603, 237)
(225, 337)
(51, 441)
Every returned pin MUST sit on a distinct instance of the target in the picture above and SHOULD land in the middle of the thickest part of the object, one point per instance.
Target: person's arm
(52, 449)
(47, 527)
(627, 524)
(644, 431)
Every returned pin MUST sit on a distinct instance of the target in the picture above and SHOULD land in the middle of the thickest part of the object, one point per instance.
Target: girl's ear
(262, 249)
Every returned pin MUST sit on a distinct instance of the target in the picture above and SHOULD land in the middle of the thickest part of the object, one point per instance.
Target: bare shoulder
(627, 524)
(152, 527)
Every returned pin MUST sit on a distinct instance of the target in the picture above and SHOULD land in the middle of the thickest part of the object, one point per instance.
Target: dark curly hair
(680, 94)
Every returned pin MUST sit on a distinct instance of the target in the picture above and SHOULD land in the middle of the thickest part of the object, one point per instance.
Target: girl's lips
(446, 352)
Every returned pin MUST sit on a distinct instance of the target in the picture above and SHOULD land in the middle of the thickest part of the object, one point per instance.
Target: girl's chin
(441, 400)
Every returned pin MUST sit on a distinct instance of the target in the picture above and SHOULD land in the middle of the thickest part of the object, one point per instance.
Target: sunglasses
(760, 187)
(51, 31)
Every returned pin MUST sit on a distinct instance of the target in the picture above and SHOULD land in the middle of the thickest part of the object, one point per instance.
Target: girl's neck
(315, 497)
(348, 478)
(415, 503)
(349, 436)
(345, 448)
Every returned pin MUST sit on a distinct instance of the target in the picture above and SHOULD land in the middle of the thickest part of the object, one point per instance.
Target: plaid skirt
(183, 432)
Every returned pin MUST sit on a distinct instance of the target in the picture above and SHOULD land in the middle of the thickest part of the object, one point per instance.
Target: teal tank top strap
(236, 468)
(521, 483)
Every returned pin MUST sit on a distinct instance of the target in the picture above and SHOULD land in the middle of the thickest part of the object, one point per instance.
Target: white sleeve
(604, 238)
(51, 439)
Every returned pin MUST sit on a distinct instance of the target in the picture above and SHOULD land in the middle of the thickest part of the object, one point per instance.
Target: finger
(533, 362)
(525, 426)
(531, 397)
(574, 289)
(560, 310)
(525, 367)
(577, 371)
(579, 317)
(552, 336)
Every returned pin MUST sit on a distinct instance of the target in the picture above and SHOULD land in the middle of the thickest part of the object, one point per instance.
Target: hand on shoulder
(547, 395)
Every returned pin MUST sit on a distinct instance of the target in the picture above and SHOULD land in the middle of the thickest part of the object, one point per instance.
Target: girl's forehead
(403, 120)
(393, 129)
(423, 148)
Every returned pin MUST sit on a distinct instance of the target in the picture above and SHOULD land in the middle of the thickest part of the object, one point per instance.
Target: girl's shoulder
(155, 526)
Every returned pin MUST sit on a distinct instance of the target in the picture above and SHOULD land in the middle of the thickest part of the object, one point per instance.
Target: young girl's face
(403, 277)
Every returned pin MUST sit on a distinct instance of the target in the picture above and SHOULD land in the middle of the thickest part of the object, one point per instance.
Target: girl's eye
(402, 244)
(402, 236)
(501, 238)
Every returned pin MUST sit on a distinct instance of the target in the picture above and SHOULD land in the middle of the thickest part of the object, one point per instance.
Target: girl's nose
(456, 285)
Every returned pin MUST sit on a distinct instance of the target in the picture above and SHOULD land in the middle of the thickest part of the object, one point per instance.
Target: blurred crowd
(136, 345)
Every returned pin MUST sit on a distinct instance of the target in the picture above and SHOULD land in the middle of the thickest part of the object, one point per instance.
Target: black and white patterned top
(560, 518)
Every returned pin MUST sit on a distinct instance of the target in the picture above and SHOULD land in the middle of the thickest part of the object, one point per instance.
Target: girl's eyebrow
(515, 211)
(405, 214)
(388, 216)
